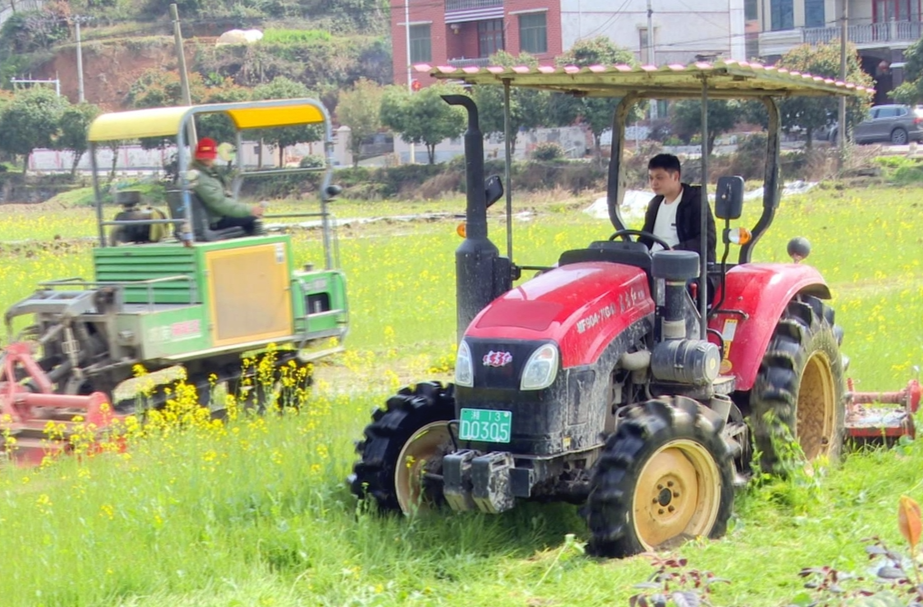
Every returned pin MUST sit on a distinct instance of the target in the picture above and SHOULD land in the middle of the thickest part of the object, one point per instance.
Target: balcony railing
(475, 62)
(467, 5)
(870, 33)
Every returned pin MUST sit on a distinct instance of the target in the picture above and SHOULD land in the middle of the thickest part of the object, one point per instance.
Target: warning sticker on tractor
(178, 331)
(280, 252)
(727, 335)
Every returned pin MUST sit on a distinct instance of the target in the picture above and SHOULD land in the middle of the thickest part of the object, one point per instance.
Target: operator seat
(625, 252)
(200, 227)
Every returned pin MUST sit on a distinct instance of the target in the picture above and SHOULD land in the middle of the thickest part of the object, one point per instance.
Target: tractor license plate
(485, 425)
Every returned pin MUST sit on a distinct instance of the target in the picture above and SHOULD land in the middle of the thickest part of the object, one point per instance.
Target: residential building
(881, 30)
(467, 32)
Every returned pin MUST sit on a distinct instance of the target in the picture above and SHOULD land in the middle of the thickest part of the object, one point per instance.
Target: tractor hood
(582, 307)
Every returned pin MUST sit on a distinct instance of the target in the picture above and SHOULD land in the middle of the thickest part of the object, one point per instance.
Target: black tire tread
(404, 413)
(774, 396)
(614, 483)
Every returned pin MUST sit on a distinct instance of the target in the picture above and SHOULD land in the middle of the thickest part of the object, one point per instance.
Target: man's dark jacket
(688, 222)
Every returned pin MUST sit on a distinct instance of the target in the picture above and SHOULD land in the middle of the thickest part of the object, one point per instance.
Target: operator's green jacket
(209, 186)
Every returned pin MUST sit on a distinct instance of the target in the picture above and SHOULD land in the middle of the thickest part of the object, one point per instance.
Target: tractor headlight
(541, 369)
(464, 370)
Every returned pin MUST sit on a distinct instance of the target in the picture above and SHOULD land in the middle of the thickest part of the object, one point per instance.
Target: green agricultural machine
(172, 291)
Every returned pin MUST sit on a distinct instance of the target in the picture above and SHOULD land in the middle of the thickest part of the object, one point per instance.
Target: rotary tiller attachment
(868, 416)
(36, 423)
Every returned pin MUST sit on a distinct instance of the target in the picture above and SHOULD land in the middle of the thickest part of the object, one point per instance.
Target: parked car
(895, 124)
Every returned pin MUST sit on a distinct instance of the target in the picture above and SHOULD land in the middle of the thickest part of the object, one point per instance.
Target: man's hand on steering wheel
(624, 234)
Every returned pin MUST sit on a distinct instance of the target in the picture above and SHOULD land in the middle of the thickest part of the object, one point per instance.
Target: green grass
(257, 514)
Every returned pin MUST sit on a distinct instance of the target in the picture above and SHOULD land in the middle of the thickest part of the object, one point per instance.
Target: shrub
(312, 161)
(547, 151)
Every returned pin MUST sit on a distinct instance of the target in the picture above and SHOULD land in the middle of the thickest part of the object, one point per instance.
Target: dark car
(895, 124)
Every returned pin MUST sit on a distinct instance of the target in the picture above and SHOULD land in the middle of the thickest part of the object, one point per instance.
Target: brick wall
(446, 44)
(421, 11)
(552, 22)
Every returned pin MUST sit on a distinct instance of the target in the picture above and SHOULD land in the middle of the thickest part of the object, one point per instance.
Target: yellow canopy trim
(166, 122)
(135, 124)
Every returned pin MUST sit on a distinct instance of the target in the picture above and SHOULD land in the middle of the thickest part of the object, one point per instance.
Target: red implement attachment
(869, 417)
(34, 421)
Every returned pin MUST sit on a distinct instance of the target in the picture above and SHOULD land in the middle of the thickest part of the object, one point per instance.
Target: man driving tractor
(209, 185)
(674, 214)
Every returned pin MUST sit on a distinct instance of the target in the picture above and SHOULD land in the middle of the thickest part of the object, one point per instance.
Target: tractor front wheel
(799, 393)
(664, 477)
(401, 457)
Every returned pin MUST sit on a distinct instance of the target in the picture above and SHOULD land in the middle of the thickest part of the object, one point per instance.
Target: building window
(814, 13)
(751, 10)
(421, 44)
(533, 33)
(490, 37)
(782, 15)
(642, 45)
(895, 10)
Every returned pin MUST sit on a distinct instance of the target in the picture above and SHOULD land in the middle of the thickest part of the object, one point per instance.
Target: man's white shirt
(665, 224)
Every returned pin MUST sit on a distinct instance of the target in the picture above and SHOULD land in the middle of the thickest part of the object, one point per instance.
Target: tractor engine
(678, 357)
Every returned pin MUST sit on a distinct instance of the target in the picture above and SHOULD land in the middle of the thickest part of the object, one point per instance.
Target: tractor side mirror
(729, 197)
(493, 188)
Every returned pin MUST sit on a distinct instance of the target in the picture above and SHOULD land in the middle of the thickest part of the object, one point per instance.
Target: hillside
(324, 47)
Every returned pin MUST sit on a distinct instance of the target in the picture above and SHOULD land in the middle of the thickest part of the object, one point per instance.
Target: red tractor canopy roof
(724, 80)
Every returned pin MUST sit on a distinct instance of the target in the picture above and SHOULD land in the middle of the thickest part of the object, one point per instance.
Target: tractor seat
(200, 226)
(623, 252)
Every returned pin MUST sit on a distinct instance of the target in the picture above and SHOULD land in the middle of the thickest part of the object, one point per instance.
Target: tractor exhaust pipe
(476, 259)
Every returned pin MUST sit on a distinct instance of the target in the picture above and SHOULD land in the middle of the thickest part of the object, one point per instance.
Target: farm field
(256, 512)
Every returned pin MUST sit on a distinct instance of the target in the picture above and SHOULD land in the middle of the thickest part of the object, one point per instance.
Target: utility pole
(80, 97)
(183, 77)
(409, 75)
(650, 52)
(841, 128)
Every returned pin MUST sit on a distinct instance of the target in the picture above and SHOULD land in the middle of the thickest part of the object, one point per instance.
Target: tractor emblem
(497, 359)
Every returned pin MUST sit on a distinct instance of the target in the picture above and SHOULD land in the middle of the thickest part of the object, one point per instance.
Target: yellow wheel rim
(816, 406)
(421, 453)
(678, 494)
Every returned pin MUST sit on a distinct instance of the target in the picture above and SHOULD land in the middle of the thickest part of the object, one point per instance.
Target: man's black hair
(667, 162)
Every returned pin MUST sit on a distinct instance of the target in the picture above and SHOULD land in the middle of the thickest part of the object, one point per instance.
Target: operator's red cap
(207, 149)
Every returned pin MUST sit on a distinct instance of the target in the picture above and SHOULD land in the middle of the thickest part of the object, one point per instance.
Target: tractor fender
(756, 296)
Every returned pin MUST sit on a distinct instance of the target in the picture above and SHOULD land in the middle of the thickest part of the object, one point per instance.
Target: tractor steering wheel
(624, 234)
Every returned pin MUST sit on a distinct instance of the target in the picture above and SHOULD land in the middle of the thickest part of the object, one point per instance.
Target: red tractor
(602, 381)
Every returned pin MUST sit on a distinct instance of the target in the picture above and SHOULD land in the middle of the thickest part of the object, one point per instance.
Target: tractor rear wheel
(799, 393)
(403, 445)
(664, 477)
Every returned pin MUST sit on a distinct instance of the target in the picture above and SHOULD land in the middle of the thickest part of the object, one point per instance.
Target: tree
(722, 117)
(280, 138)
(595, 113)
(360, 110)
(423, 117)
(75, 121)
(809, 113)
(157, 88)
(528, 107)
(30, 121)
(911, 91)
